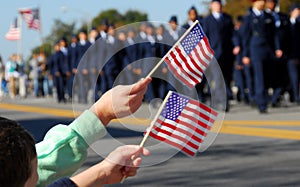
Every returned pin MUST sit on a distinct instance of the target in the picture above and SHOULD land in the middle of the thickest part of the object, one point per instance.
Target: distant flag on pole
(190, 56)
(183, 123)
(31, 17)
(14, 32)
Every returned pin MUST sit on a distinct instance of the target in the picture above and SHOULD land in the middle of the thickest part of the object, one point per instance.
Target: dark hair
(193, 9)
(17, 151)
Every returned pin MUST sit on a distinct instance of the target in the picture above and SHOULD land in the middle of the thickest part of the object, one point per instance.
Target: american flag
(14, 32)
(31, 17)
(183, 123)
(190, 57)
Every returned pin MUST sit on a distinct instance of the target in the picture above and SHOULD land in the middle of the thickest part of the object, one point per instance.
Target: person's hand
(236, 50)
(246, 60)
(137, 71)
(101, 72)
(57, 74)
(278, 53)
(120, 101)
(85, 72)
(94, 70)
(74, 70)
(238, 67)
(129, 67)
(68, 74)
(123, 161)
(164, 70)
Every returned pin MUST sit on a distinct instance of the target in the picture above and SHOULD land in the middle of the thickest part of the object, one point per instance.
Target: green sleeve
(64, 148)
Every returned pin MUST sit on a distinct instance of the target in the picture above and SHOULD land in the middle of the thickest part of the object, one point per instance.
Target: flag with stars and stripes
(183, 123)
(190, 57)
(14, 32)
(31, 17)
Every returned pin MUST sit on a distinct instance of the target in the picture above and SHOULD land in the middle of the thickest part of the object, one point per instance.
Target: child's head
(18, 161)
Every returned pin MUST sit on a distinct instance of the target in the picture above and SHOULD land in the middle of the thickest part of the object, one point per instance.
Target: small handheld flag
(189, 57)
(182, 122)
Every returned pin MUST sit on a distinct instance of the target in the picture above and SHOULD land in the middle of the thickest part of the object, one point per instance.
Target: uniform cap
(104, 22)
(150, 25)
(173, 18)
(93, 28)
(83, 31)
(294, 6)
(111, 25)
(63, 39)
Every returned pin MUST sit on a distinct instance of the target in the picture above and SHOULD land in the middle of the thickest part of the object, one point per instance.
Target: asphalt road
(250, 150)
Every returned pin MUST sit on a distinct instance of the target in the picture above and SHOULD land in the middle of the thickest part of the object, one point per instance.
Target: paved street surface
(250, 150)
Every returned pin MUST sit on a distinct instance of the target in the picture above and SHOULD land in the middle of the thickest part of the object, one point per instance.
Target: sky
(79, 11)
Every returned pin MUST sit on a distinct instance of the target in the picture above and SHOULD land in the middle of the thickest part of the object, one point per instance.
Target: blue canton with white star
(174, 106)
(190, 41)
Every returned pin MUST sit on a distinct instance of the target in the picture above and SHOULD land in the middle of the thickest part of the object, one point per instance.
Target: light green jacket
(64, 148)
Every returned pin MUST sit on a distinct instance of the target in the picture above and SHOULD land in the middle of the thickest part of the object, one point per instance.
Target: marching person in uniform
(121, 57)
(294, 52)
(103, 28)
(147, 65)
(218, 27)
(239, 69)
(131, 56)
(100, 46)
(260, 44)
(92, 64)
(63, 69)
(73, 62)
(58, 72)
(66, 70)
(161, 48)
(140, 39)
(279, 63)
(192, 17)
(101, 85)
(112, 61)
(83, 82)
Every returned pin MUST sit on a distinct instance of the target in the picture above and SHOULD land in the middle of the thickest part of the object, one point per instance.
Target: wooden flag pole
(151, 126)
(155, 118)
(162, 60)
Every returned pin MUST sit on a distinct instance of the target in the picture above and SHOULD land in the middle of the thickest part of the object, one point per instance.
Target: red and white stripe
(202, 53)
(189, 129)
(28, 17)
(35, 24)
(13, 33)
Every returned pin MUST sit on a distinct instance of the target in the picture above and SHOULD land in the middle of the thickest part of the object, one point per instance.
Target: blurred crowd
(258, 54)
